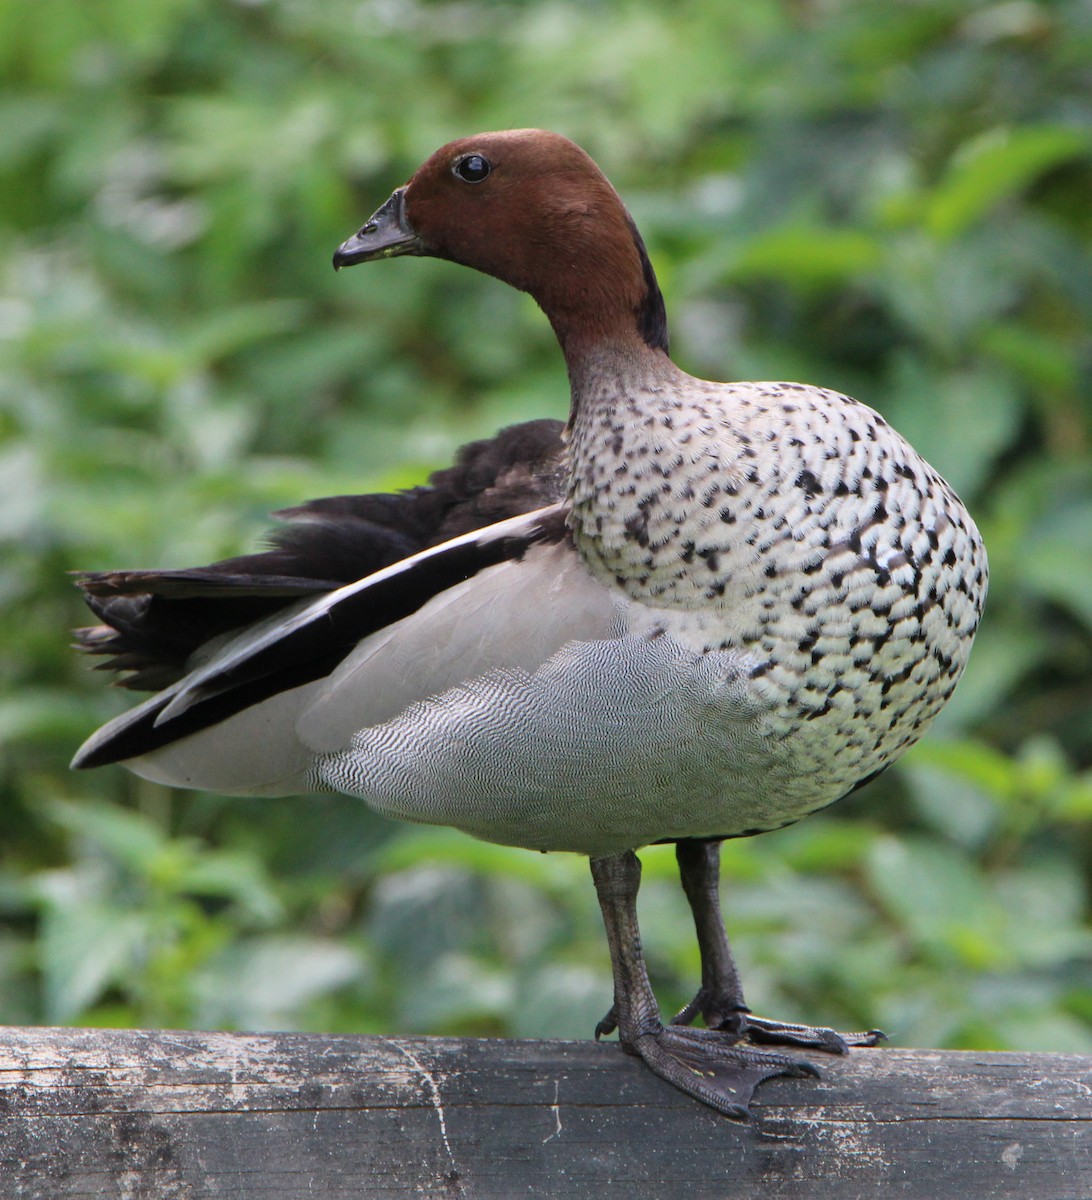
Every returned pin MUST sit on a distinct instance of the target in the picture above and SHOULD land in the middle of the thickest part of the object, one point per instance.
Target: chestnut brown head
(532, 209)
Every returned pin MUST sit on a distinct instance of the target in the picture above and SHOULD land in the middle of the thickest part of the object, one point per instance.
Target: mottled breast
(795, 523)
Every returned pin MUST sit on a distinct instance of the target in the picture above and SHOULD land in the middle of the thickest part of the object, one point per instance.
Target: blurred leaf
(130, 837)
(235, 877)
(835, 845)
(455, 849)
(459, 991)
(260, 984)
(992, 166)
(807, 257)
(939, 900)
(1042, 360)
(988, 769)
(46, 715)
(561, 1000)
(1058, 558)
(956, 805)
(86, 941)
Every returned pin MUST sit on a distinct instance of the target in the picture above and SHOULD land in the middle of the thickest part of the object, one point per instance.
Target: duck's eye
(472, 168)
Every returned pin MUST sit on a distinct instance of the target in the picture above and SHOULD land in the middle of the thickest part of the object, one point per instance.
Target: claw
(607, 1025)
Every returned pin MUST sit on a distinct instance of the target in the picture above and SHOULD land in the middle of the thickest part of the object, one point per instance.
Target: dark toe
(712, 1068)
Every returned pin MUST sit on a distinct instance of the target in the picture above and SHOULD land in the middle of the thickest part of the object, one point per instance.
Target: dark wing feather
(154, 621)
(308, 642)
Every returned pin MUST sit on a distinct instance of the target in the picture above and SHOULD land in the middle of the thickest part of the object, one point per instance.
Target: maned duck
(699, 611)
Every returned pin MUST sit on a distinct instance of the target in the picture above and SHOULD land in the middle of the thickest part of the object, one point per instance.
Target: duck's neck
(608, 301)
(608, 373)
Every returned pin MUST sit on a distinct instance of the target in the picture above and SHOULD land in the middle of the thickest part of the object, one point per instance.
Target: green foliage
(889, 199)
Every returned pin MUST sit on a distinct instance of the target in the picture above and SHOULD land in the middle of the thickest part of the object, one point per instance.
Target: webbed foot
(711, 1068)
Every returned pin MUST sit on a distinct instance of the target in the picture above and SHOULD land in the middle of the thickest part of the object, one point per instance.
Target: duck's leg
(704, 1063)
(720, 998)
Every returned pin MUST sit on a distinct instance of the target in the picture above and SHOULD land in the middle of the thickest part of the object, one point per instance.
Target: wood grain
(139, 1114)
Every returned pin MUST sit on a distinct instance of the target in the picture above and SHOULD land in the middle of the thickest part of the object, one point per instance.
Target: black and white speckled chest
(794, 524)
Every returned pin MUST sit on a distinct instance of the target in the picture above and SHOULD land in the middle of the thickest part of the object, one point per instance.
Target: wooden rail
(137, 1115)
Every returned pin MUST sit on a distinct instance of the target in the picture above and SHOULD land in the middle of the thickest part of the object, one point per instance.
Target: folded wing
(304, 644)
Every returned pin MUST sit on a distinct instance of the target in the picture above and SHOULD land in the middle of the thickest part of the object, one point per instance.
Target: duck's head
(532, 209)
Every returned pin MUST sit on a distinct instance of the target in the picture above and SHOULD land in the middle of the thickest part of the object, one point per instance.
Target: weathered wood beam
(137, 1114)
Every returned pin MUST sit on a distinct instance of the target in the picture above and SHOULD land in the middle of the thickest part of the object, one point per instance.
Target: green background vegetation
(891, 199)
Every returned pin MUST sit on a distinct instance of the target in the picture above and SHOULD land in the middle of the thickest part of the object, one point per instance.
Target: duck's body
(713, 610)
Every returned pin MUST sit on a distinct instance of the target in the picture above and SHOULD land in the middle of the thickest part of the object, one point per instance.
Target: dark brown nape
(547, 221)
(651, 315)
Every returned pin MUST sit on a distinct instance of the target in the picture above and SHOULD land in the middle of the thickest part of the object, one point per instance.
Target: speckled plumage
(794, 524)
